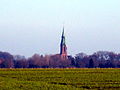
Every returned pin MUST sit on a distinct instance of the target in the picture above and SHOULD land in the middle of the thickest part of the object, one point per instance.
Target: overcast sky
(35, 26)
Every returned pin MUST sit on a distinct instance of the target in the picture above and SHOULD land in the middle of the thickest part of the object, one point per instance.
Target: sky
(35, 26)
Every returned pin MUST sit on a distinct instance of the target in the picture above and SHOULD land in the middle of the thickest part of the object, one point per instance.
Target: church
(63, 47)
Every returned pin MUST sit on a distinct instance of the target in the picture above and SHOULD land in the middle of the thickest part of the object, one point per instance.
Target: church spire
(63, 47)
(63, 33)
(63, 38)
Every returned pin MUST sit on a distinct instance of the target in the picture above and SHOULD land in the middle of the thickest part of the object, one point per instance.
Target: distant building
(63, 47)
(18, 57)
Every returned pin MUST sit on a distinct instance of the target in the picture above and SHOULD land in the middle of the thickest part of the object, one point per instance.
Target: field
(59, 79)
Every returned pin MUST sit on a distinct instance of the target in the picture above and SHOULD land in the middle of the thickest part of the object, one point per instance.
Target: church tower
(63, 47)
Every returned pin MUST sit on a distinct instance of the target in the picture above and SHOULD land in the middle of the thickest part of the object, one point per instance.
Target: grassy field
(59, 79)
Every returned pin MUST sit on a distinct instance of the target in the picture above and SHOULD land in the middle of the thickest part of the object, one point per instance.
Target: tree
(23, 63)
(91, 63)
(6, 60)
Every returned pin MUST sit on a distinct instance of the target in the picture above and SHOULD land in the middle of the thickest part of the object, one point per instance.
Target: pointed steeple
(63, 38)
(63, 48)
(63, 33)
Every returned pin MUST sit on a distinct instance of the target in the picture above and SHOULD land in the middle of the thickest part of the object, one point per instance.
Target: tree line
(100, 59)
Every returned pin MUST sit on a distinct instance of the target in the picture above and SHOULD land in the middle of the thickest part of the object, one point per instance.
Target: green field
(59, 79)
